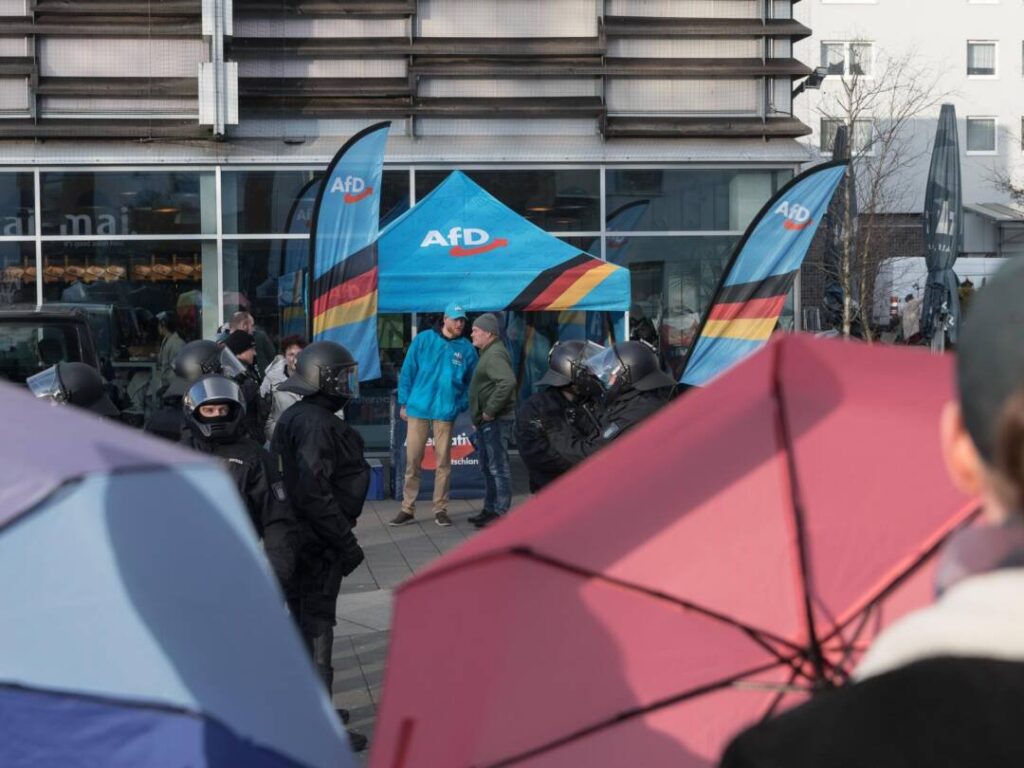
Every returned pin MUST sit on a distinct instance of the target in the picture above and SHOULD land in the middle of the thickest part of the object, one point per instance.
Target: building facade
(157, 156)
(974, 50)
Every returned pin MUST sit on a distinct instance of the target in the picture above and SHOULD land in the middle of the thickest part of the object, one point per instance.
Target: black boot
(357, 741)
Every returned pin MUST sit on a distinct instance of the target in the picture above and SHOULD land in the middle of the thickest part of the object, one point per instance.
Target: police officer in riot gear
(561, 407)
(213, 411)
(633, 386)
(326, 479)
(196, 359)
(75, 384)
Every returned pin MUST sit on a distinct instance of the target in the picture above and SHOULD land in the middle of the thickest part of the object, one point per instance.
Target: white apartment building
(977, 49)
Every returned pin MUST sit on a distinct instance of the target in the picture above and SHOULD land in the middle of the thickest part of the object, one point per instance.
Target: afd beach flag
(747, 304)
(343, 252)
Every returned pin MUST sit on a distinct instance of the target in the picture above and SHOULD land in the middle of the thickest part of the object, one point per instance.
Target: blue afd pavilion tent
(141, 625)
(460, 244)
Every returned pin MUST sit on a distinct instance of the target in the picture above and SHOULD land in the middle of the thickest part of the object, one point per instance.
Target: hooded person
(214, 410)
(559, 406)
(277, 373)
(326, 480)
(942, 686)
(76, 384)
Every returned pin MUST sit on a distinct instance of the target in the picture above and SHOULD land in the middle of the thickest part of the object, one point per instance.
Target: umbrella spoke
(785, 439)
(627, 715)
(760, 636)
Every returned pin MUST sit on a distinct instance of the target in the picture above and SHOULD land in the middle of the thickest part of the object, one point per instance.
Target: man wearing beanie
(243, 345)
(492, 395)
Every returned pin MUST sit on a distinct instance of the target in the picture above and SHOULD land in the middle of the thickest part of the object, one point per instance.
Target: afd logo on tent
(466, 241)
(354, 187)
(797, 216)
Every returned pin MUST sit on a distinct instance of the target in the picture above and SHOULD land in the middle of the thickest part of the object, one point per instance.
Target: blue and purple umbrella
(140, 624)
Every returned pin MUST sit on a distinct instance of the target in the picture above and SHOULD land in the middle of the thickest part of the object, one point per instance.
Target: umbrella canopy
(141, 624)
(713, 566)
(943, 227)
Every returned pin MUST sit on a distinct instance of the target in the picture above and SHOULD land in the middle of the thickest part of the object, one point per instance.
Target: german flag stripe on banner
(769, 287)
(354, 288)
(361, 308)
(349, 269)
(562, 286)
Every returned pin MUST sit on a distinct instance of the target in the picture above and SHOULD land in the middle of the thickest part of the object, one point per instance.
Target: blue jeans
(492, 449)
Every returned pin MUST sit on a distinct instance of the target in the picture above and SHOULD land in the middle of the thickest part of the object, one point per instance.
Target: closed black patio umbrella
(943, 231)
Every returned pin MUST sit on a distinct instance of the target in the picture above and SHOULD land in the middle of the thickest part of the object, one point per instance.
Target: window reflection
(77, 203)
(554, 200)
(281, 202)
(17, 201)
(129, 283)
(687, 201)
(673, 281)
(17, 273)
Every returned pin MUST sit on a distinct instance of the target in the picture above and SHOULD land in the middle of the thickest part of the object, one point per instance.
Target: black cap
(990, 354)
(239, 341)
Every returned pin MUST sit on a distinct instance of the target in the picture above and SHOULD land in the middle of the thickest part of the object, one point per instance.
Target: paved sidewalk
(364, 606)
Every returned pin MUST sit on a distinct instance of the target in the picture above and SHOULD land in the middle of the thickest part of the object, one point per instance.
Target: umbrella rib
(779, 696)
(882, 591)
(815, 654)
(629, 714)
(757, 635)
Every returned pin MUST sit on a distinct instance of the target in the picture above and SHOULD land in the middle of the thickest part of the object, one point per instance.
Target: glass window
(687, 201)
(860, 58)
(554, 200)
(981, 59)
(833, 58)
(981, 134)
(17, 273)
(281, 202)
(673, 280)
(16, 205)
(77, 203)
(848, 58)
(124, 285)
(266, 278)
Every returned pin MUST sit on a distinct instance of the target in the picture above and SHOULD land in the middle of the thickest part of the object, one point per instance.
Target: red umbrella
(715, 565)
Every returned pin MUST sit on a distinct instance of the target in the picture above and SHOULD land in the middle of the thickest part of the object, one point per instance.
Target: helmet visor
(605, 365)
(340, 380)
(230, 365)
(47, 385)
(213, 389)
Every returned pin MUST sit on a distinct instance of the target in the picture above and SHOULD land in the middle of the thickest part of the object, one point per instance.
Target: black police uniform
(261, 488)
(545, 414)
(326, 479)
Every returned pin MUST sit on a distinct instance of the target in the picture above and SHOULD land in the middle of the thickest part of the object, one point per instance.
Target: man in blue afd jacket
(432, 389)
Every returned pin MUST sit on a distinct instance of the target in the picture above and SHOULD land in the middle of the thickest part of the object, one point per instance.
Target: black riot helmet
(75, 384)
(629, 365)
(203, 357)
(565, 362)
(324, 367)
(214, 389)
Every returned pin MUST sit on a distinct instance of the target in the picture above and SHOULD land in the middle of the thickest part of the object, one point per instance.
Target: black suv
(33, 339)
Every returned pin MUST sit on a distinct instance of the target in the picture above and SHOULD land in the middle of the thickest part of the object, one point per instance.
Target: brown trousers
(415, 445)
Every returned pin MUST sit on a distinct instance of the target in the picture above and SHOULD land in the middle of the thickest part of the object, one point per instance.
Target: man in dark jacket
(326, 479)
(492, 396)
(632, 386)
(243, 345)
(213, 413)
(560, 406)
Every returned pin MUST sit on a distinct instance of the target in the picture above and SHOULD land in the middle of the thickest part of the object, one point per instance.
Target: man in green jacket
(492, 395)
